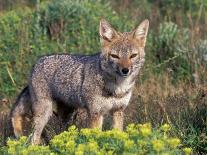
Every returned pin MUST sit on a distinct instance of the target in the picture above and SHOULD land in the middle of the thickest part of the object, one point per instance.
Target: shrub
(167, 47)
(19, 47)
(137, 139)
(74, 24)
(202, 52)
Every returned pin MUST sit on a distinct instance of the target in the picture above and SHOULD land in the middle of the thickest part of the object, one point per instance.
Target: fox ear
(140, 33)
(106, 32)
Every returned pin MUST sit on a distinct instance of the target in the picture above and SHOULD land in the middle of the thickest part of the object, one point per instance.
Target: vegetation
(137, 139)
(171, 88)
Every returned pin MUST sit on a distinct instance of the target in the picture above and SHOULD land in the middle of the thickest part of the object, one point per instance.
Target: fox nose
(125, 71)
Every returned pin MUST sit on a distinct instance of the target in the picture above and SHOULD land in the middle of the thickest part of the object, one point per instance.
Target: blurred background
(172, 86)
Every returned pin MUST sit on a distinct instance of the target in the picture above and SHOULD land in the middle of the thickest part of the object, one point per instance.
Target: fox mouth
(123, 75)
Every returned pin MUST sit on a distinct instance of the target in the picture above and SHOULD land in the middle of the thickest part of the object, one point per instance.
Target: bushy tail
(6, 129)
(23, 98)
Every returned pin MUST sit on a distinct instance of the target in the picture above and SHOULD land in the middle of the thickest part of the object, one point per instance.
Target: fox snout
(125, 67)
(125, 71)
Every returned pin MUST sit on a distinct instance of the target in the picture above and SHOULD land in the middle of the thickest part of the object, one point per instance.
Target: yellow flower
(23, 139)
(93, 146)
(110, 152)
(72, 128)
(73, 132)
(165, 127)
(129, 144)
(145, 129)
(141, 143)
(157, 145)
(79, 153)
(119, 134)
(25, 152)
(85, 132)
(173, 142)
(70, 145)
(102, 152)
(138, 139)
(80, 148)
(11, 150)
(187, 150)
(132, 130)
(12, 143)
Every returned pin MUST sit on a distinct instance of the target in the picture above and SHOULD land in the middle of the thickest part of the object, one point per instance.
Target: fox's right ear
(106, 32)
(140, 33)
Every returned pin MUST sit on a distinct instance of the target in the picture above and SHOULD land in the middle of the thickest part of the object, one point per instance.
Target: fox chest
(103, 104)
(102, 97)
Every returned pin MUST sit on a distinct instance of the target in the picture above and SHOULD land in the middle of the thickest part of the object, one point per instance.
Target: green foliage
(191, 125)
(202, 52)
(167, 50)
(76, 23)
(137, 139)
(168, 7)
(22, 147)
(19, 48)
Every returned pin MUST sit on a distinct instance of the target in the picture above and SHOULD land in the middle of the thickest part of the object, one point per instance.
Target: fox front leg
(42, 113)
(17, 123)
(118, 119)
(96, 121)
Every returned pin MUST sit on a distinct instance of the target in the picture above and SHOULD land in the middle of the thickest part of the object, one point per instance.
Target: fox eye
(133, 56)
(114, 56)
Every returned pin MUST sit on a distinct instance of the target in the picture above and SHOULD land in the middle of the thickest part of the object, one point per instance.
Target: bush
(74, 24)
(202, 52)
(167, 47)
(20, 44)
(137, 139)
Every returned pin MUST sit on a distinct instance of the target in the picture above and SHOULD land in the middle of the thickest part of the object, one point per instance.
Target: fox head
(122, 53)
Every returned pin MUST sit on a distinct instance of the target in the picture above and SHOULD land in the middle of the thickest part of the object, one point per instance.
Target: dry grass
(158, 100)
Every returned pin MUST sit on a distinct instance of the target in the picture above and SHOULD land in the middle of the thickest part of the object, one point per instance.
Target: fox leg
(96, 120)
(118, 119)
(21, 109)
(17, 123)
(42, 112)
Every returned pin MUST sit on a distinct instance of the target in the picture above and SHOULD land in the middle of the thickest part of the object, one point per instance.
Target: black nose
(125, 71)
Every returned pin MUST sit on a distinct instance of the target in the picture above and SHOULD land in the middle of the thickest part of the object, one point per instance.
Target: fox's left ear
(140, 33)
(106, 31)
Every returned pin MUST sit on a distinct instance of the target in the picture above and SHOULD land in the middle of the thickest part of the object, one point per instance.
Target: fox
(101, 83)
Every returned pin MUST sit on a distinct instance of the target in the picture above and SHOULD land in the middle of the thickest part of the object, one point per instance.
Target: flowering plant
(137, 139)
